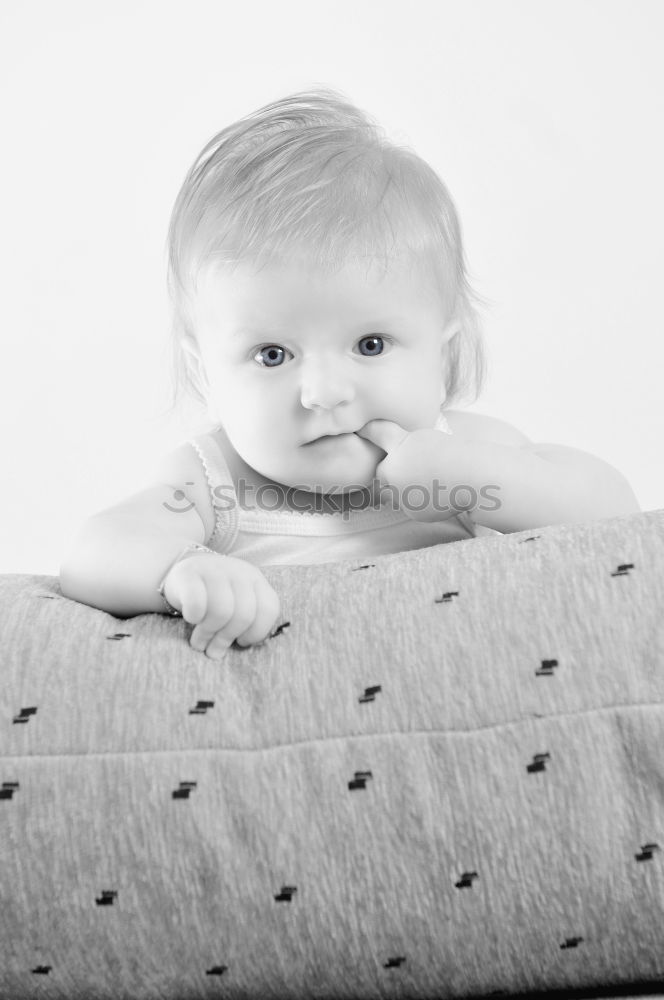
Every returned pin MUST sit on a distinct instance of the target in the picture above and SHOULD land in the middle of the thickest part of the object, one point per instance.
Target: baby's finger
(220, 611)
(387, 434)
(268, 609)
(243, 617)
(194, 600)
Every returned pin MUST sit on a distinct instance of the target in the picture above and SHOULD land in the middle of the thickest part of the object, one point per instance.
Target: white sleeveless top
(289, 537)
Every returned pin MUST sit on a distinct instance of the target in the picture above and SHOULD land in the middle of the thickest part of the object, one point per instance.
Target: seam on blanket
(344, 737)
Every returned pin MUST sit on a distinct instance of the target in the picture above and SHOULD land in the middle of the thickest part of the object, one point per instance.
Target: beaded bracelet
(189, 550)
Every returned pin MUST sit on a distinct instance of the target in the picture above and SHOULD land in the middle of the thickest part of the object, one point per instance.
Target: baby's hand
(225, 598)
(419, 458)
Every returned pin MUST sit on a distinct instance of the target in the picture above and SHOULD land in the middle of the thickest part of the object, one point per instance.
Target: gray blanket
(442, 776)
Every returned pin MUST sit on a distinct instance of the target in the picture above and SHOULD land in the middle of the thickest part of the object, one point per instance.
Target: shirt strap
(221, 492)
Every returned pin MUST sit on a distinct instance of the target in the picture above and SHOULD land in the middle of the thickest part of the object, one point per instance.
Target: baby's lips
(363, 433)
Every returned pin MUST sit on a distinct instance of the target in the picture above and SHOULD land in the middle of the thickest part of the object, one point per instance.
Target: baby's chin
(331, 487)
(330, 474)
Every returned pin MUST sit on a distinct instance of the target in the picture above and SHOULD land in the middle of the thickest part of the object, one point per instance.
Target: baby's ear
(450, 330)
(194, 363)
(188, 344)
(194, 358)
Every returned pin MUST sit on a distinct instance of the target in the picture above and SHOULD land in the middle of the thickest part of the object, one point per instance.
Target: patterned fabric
(285, 537)
(441, 776)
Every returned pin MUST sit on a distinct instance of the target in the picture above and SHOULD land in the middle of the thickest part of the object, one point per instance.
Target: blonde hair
(312, 172)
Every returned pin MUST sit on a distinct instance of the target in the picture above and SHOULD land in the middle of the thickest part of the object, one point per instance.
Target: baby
(323, 316)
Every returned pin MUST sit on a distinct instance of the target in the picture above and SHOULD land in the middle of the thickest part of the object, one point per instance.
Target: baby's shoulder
(480, 427)
(181, 469)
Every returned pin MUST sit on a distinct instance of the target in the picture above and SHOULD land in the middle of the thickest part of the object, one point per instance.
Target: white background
(544, 118)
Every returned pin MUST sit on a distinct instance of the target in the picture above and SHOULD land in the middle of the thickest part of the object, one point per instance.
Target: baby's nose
(325, 384)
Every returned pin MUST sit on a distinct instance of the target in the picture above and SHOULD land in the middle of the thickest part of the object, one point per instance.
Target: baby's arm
(120, 555)
(512, 485)
(583, 487)
(541, 485)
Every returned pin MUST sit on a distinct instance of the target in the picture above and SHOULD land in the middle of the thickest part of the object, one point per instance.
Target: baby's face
(297, 361)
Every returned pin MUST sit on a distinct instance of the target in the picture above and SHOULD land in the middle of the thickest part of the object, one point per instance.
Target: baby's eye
(375, 345)
(272, 356)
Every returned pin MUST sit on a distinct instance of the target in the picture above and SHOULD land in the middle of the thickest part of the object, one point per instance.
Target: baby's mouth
(332, 437)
